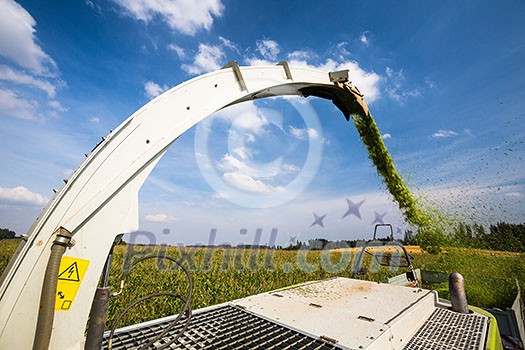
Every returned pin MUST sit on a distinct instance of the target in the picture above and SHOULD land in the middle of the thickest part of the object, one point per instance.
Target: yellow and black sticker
(70, 276)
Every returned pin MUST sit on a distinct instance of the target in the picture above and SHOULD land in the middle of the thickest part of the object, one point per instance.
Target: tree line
(500, 236)
(6, 233)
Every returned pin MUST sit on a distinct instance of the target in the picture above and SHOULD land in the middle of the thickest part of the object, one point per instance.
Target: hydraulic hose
(97, 319)
(99, 308)
(46, 313)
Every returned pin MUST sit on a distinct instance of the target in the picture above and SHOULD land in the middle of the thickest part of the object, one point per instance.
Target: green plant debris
(377, 152)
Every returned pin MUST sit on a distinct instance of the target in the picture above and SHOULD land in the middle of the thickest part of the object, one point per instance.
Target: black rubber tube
(97, 319)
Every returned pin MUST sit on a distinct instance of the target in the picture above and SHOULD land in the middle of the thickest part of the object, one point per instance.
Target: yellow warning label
(70, 276)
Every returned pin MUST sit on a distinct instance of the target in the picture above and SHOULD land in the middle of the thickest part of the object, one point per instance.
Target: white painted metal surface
(357, 314)
(339, 313)
(100, 200)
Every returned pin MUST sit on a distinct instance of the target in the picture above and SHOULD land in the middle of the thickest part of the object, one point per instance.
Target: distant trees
(323, 243)
(6, 233)
(501, 236)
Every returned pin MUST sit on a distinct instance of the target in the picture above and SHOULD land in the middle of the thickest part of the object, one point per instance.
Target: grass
(220, 275)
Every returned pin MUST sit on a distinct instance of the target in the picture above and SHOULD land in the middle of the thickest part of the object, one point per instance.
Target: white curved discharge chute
(100, 200)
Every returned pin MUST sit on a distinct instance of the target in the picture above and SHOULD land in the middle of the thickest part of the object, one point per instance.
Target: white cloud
(401, 96)
(36, 69)
(17, 39)
(21, 194)
(340, 51)
(94, 6)
(297, 132)
(395, 90)
(152, 89)
(291, 168)
(67, 173)
(444, 133)
(312, 133)
(184, 16)
(221, 195)
(386, 136)
(229, 44)
(14, 106)
(231, 163)
(269, 49)
(13, 76)
(95, 120)
(364, 38)
(430, 83)
(247, 183)
(165, 218)
(240, 172)
(243, 152)
(391, 73)
(300, 55)
(207, 60)
(251, 122)
(303, 133)
(254, 61)
(515, 194)
(178, 50)
(58, 107)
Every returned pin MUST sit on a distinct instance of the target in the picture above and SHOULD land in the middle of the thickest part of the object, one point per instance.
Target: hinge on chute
(238, 75)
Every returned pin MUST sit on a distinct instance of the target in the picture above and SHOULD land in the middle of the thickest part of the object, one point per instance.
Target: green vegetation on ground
(221, 275)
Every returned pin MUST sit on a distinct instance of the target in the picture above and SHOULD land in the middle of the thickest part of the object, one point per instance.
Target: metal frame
(375, 243)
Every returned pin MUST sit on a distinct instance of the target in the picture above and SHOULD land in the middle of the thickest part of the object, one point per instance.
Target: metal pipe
(46, 313)
(458, 296)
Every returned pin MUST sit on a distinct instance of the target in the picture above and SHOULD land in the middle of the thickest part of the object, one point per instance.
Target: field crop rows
(221, 275)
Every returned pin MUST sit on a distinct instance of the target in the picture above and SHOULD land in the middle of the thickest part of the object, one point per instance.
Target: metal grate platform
(446, 329)
(225, 327)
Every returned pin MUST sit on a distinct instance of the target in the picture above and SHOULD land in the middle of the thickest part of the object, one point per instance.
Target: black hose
(186, 309)
(97, 319)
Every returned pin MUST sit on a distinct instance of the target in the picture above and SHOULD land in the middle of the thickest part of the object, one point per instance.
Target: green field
(221, 275)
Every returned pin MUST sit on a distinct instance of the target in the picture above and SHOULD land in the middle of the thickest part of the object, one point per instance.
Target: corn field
(224, 274)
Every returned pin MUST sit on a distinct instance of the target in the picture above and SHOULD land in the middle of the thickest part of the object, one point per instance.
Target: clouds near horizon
(21, 195)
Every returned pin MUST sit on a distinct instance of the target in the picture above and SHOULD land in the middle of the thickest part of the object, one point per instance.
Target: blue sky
(445, 82)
